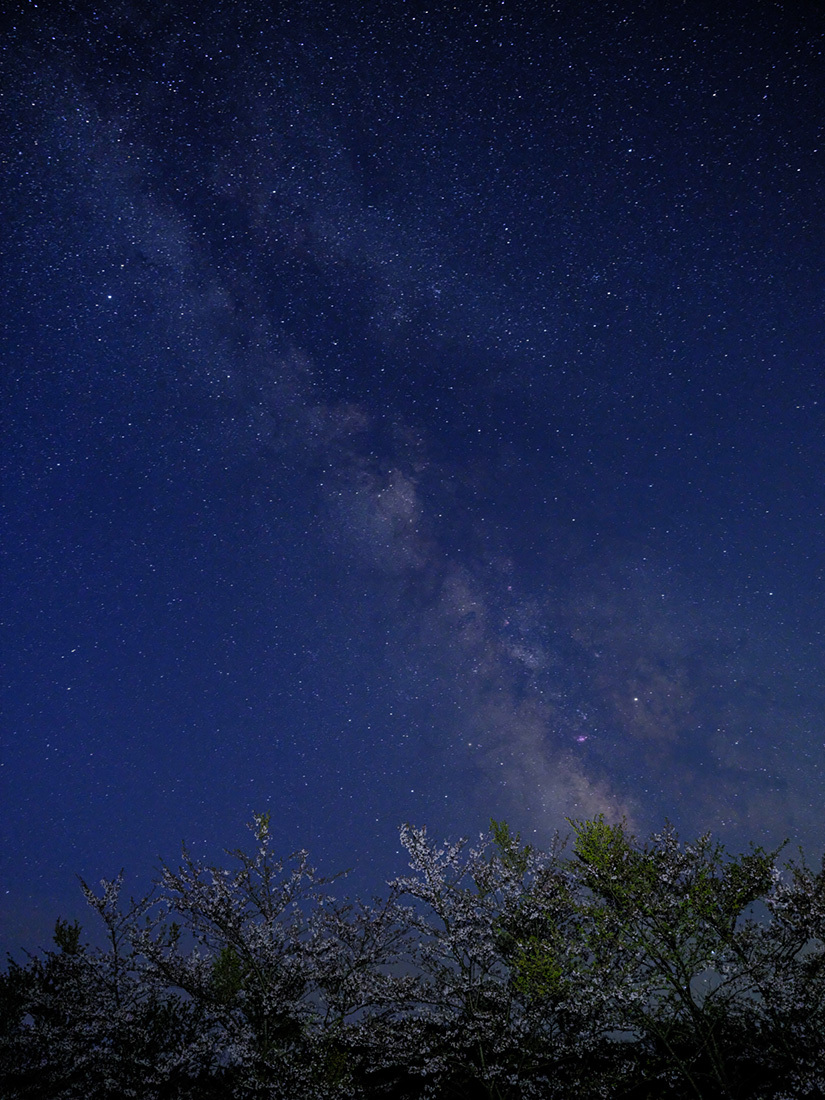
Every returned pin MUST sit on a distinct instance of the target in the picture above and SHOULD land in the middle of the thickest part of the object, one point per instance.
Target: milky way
(407, 416)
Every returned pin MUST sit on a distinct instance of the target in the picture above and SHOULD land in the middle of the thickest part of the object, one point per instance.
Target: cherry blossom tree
(503, 1005)
(93, 1022)
(606, 968)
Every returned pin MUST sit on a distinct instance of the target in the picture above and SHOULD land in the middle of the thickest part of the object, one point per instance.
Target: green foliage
(67, 936)
(538, 969)
(603, 847)
(260, 827)
(610, 864)
(229, 974)
(509, 848)
(335, 1066)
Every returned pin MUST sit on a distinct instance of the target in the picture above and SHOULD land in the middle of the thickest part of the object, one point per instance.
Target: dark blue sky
(408, 413)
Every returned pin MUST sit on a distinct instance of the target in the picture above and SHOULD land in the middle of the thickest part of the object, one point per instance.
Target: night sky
(408, 414)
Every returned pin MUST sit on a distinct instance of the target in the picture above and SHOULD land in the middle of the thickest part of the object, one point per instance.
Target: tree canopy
(603, 967)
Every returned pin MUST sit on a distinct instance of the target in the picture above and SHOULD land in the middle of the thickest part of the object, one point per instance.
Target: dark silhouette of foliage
(617, 968)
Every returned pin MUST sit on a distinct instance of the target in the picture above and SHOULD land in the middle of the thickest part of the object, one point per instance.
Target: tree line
(604, 967)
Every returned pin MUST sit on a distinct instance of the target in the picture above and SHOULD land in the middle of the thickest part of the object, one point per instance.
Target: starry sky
(408, 413)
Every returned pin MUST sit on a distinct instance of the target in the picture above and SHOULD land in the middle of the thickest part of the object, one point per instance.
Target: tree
(88, 1022)
(788, 954)
(247, 963)
(692, 971)
(619, 969)
(500, 1010)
